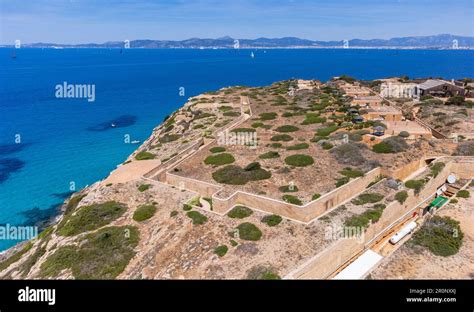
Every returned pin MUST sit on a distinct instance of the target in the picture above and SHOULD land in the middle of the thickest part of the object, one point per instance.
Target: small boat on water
(113, 125)
(135, 142)
(252, 55)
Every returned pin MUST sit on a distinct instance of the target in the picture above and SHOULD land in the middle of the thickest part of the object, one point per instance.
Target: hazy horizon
(89, 21)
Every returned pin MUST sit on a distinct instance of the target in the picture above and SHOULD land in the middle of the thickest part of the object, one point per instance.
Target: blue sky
(82, 21)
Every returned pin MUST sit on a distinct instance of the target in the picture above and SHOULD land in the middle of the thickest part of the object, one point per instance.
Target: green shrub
(394, 144)
(362, 220)
(275, 145)
(454, 201)
(235, 175)
(100, 255)
(268, 116)
(292, 200)
(219, 159)
(401, 196)
(288, 188)
(144, 212)
(436, 168)
(169, 138)
(73, 202)
(312, 118)
(187, 207)
(144, 187)
(318, 138)
(326, 145)
(144, 156)
(282, 137)
(299, 160)
(350, 154)
(269, 155)
(463, 194)
(239, 212)
(367, 198)
(248, 231)
(262, 273)
(327, 130)
(16, 256)
(89, 218)
(221, 250)
(217, 149)
(197, 217)
(26, 266)
(233, 243)
(441, 235)
(297, 147)
(341, 181)
(416, 185)
(351, 173)
(173, 213)
(315, 196)
(272, 220)
(287, 128)
(257, 124)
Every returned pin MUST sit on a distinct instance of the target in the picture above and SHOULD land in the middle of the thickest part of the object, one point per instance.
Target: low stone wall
(329, 260)
(404, 172)
(204, 189)
(304, 213)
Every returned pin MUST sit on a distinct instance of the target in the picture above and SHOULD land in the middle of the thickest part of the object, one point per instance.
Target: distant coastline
(435, 42)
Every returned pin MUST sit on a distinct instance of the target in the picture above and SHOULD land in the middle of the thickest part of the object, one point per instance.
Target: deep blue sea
(70, 141)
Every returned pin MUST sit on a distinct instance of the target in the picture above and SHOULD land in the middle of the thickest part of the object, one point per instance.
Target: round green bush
(326, 145)
(272, 220)
(287, 128)
(219, 159)
(269, 155)
(268, 116)
(282, 137)
(463, 194)
(401, 196)
(299, 160)
(144, 212)
(297, 147)
(197, 217)
(239, 212)
(221, 250)
(235, 175)
(441, 235)
(248, 231)
(144, 187)
(143, 155)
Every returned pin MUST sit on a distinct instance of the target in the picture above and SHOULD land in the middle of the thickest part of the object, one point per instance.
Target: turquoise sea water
(66, 141)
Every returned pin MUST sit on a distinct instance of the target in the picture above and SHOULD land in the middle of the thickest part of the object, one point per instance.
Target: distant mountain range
(443, 41)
